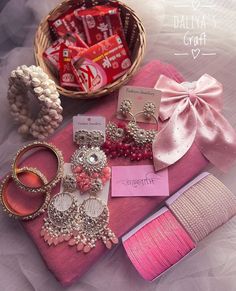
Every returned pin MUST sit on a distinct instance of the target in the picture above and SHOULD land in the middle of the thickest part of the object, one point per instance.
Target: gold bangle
(49, 184)
(13, 213)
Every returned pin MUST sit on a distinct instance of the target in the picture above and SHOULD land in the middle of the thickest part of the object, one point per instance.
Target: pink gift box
(65, 262)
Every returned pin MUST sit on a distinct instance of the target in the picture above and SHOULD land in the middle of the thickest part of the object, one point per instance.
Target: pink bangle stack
(190, 215)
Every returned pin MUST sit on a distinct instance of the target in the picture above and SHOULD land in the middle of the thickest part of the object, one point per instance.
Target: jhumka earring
(131, 141)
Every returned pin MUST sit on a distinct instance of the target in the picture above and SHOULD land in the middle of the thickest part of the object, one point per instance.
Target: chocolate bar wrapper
(100, 22)
(102, 64)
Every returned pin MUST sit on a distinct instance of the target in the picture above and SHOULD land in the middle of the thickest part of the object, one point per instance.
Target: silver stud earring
(149, 110)
(92, 160)
(82, 137)
(89, 138)
(125, 107)
(69, 183)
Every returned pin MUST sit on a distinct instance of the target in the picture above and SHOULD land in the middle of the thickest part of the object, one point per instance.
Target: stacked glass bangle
(33, 181)
(21, 153)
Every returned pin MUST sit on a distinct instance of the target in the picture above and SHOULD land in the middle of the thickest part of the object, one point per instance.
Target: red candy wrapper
(68, 22)
(51, 54)
(100, 22)
(67, 75)
(102, 63)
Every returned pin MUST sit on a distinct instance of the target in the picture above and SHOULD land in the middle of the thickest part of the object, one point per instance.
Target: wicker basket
(135, 36)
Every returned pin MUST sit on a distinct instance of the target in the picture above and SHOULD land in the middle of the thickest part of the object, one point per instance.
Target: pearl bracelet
(33, 80)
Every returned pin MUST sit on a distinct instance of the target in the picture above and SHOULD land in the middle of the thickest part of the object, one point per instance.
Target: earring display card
(88, 123)
(139, 96)
(132, 181)
(103, 195)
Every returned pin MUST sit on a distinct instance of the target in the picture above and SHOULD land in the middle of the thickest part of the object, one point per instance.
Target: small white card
(88, 123)
(141, 180)
(103, 195)
(139, 96)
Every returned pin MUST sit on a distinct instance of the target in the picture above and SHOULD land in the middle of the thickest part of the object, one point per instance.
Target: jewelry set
(79, 224)
(129, 140)
(88, 222)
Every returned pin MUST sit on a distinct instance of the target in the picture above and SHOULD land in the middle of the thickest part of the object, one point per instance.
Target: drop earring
(61, 219)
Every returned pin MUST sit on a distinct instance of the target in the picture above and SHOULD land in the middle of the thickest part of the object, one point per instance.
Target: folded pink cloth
(65, 262)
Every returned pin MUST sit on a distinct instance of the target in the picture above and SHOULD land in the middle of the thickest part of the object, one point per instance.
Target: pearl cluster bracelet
(34, 81)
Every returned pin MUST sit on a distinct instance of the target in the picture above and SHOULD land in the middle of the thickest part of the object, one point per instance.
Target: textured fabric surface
(213, 265)
(67, 264)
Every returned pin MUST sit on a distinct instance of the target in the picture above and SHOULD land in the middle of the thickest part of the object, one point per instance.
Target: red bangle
(32, 173)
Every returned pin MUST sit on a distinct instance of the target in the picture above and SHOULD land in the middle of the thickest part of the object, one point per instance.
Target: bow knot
(197, 121)
(192, 96)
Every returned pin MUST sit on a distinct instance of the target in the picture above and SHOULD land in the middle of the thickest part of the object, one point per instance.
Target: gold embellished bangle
(9, 209)
(49, 184)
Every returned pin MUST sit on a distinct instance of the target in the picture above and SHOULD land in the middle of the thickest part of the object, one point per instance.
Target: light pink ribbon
(194, 117)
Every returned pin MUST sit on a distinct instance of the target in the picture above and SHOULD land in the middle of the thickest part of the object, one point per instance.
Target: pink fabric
(69, 265)
(194, 117)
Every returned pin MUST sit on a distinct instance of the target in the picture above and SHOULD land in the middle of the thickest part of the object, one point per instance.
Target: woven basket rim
(109, 88)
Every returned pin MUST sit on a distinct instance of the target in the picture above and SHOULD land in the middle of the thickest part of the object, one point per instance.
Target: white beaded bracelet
(25, 81)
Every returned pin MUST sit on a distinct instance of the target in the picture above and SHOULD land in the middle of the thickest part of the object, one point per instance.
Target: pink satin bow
(194, 117)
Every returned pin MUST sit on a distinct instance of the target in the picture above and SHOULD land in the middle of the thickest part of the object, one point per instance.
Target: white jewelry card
(88, 123)
(139, 96)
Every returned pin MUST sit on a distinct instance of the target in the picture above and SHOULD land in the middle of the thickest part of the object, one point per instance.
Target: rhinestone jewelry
(114, 132)
(77, 157)
(89, 138)
(90, 159)
(81, 137)
(62, 219)
(7, 207)
(128, 146)
(96, 138)
(149, 110)
(50, 184)
(90, 182)
(96, 187)
(69, 183)
(140, 136)
(125, 107)
(93, 226)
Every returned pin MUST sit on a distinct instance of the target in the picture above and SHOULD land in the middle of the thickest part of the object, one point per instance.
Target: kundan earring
(142, 136)
(131, 141)
(89, 166)
(61, 220)
(93, 226)
(125, 107)
(89, 138)
(149, 110)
